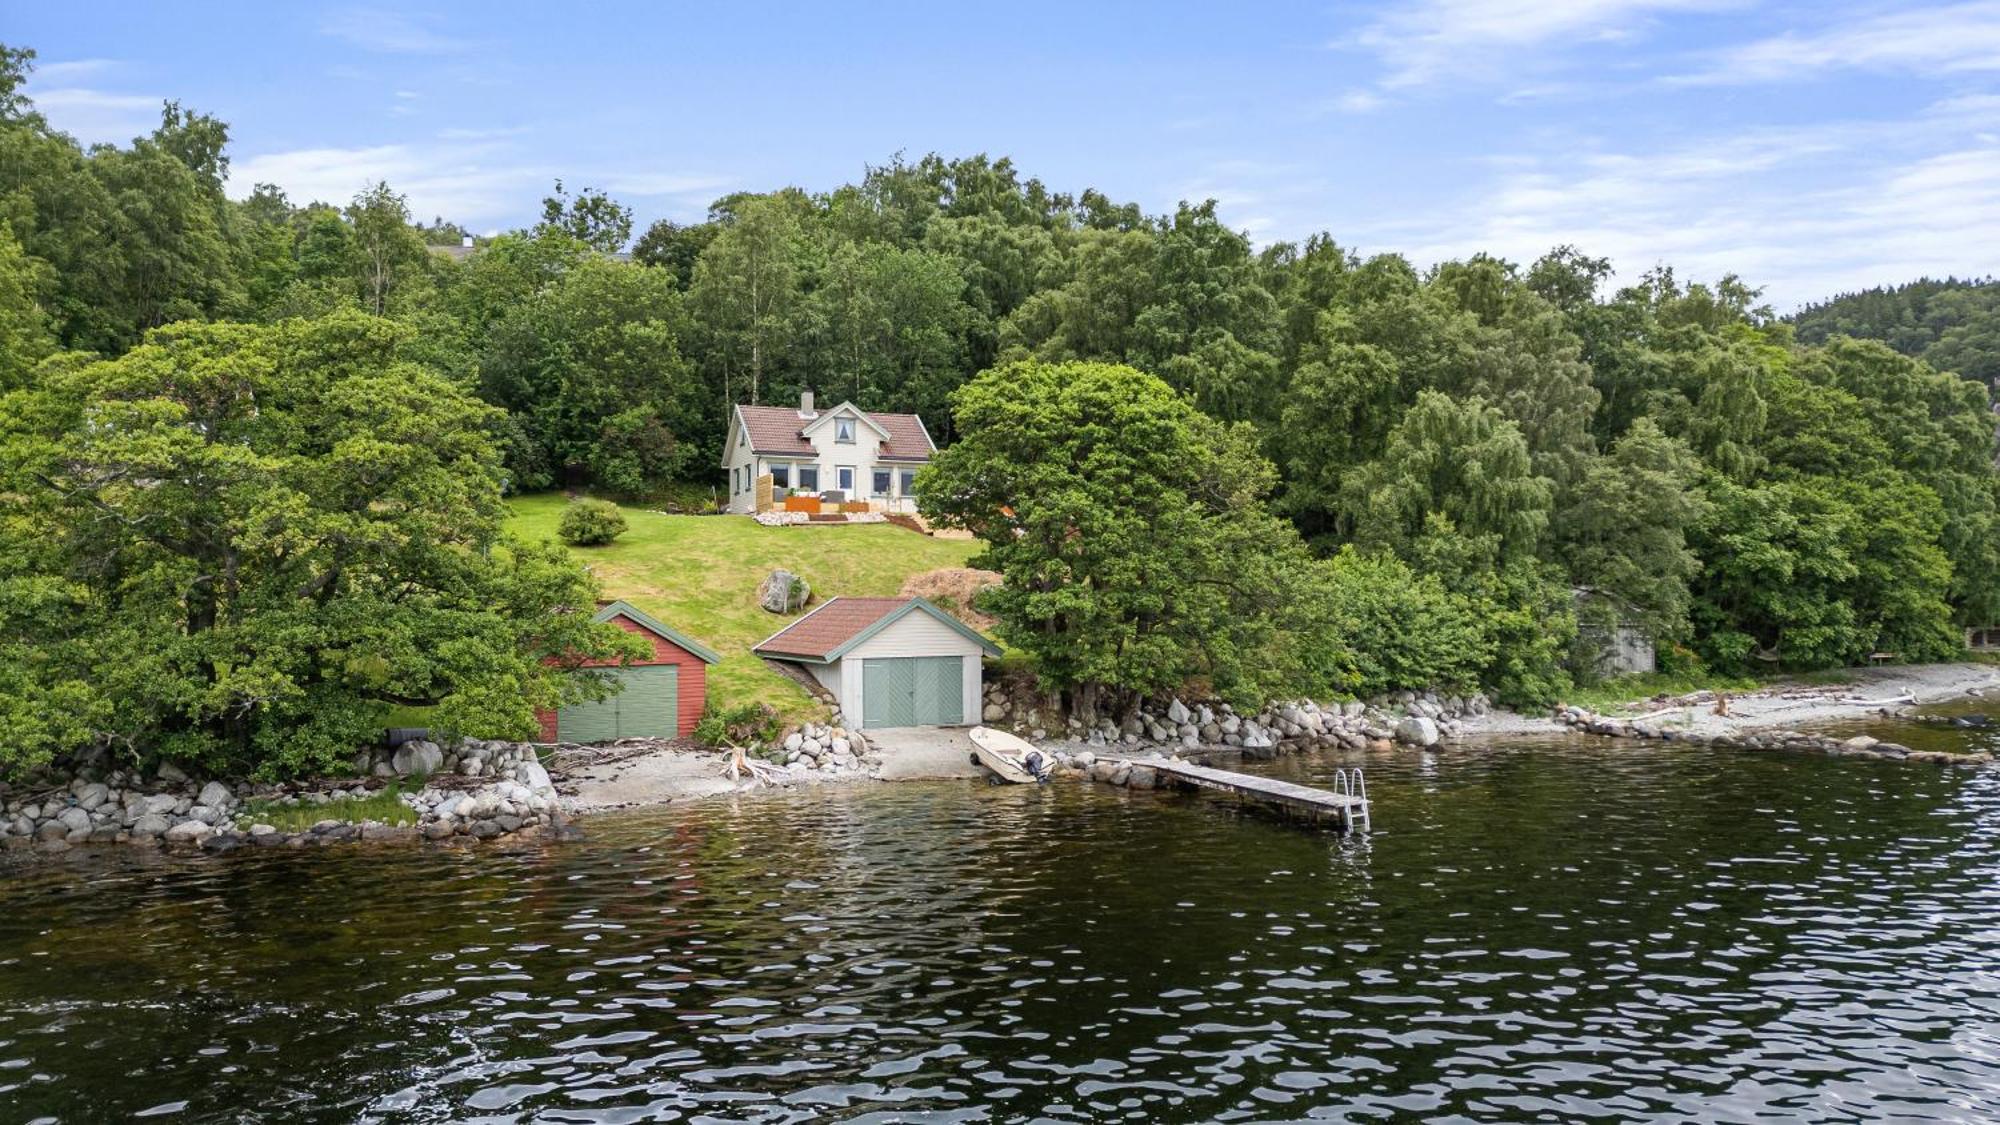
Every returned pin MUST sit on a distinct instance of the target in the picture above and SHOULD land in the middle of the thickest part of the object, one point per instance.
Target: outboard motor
(1038, 763)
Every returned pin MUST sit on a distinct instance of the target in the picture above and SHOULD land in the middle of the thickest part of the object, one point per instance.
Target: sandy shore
(670, 774)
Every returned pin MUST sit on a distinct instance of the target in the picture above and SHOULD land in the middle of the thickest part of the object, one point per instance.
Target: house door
(912, 691)
(648, 706)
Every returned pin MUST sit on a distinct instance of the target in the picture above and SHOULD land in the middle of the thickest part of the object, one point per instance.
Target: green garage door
(912, 691)
(647, 708)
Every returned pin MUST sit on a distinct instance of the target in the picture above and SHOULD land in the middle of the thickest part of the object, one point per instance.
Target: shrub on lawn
(591, 523)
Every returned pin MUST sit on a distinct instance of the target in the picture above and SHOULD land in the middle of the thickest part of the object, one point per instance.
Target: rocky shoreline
(1408, 717)
(477, 790)
(1866, 746)
(487, 790)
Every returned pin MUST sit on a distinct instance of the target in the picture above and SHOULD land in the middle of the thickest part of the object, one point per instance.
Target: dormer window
(843, 431)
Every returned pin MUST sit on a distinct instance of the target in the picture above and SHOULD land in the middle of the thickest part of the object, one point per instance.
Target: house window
(844, 476)
(881, 482)
(909, 482)
(743, 437)
(781, 476)
(809, 478)
(843, 430)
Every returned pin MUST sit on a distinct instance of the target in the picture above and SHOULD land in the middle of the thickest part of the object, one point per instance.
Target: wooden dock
(1345, 807)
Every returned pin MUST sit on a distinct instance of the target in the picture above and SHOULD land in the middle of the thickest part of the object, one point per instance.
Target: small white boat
(1009, 758)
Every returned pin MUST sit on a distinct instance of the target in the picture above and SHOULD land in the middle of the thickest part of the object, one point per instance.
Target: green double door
(912, 691)
(648, 707)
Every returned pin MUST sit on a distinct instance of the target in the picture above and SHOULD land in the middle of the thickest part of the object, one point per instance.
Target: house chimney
(806, 405)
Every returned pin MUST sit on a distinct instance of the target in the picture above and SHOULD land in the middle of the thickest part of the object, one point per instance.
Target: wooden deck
(1316, 805)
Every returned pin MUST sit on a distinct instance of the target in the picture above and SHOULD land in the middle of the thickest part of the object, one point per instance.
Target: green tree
(258, 536)
(591, 371)
(1384, 627)
(1462, 462)
(1136, 553)
(590, 216)
(747, 289)
(389, 250)
(1624, 529)
(674, 246)
(25, 339)
(894, 327)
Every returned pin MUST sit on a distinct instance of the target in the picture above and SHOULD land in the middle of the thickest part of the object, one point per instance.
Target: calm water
(1565, 931)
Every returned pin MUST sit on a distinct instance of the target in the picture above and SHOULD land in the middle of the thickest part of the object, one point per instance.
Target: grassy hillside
(699, 574)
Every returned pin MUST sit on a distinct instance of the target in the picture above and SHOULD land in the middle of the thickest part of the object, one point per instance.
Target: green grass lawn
(1624, 691)
(383, 805)
(699, 574)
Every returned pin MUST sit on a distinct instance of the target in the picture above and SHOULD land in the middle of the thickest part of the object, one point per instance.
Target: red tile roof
(775, 429)
(830, 626)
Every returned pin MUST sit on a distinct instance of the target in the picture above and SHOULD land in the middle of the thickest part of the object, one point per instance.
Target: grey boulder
(1417, 731)
(417, 757)
(783, 592)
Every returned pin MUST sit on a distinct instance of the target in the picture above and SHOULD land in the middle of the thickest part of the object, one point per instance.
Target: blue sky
(1809, 147)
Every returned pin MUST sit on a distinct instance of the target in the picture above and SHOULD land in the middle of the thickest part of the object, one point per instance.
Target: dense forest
(1443, 462)
(1952, 325)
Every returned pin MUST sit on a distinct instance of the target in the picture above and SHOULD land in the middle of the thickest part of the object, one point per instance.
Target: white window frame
(802, 467)
(888, 477)
(843, 479)
(843, 431)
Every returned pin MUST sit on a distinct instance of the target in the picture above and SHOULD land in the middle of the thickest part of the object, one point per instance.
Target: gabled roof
(831, 631)
(780, 431)
(653, 625)
(826, 416)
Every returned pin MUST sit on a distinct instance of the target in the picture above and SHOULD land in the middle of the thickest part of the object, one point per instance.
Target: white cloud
(1805, 213)
(1357, 101)
(480, 134)
(1425, 42)
(469, 176)
(469, 182)
(70, 70)
(391, 32)
(1253, 196)
(1955, 38)
(97, 116)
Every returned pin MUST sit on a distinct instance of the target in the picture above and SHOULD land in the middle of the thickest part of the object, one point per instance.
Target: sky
(1810, 148)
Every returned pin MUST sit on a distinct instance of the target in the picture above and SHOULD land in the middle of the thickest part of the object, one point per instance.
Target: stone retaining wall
(1413, 718)
(826, 750)
(477, 789)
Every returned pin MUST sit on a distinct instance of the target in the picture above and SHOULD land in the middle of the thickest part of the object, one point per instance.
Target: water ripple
(1554, 932)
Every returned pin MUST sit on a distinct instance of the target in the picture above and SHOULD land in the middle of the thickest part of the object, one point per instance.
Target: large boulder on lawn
(1417, 731)
(783, 592)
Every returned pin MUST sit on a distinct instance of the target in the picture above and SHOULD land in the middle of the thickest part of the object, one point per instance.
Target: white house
(863, 456)
(890, 662)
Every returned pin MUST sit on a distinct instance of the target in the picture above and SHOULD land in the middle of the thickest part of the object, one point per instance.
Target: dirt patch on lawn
(953, 589)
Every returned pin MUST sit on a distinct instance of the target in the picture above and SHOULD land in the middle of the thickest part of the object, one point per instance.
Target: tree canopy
(1479, 445)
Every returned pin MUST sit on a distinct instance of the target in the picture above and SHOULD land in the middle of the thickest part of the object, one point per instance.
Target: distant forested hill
(1952, 325)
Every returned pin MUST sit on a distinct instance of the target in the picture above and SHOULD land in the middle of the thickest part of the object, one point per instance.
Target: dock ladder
(1353, 785)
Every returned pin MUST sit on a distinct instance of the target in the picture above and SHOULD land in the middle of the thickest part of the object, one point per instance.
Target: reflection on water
(1562, 931)
(1933, 727)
